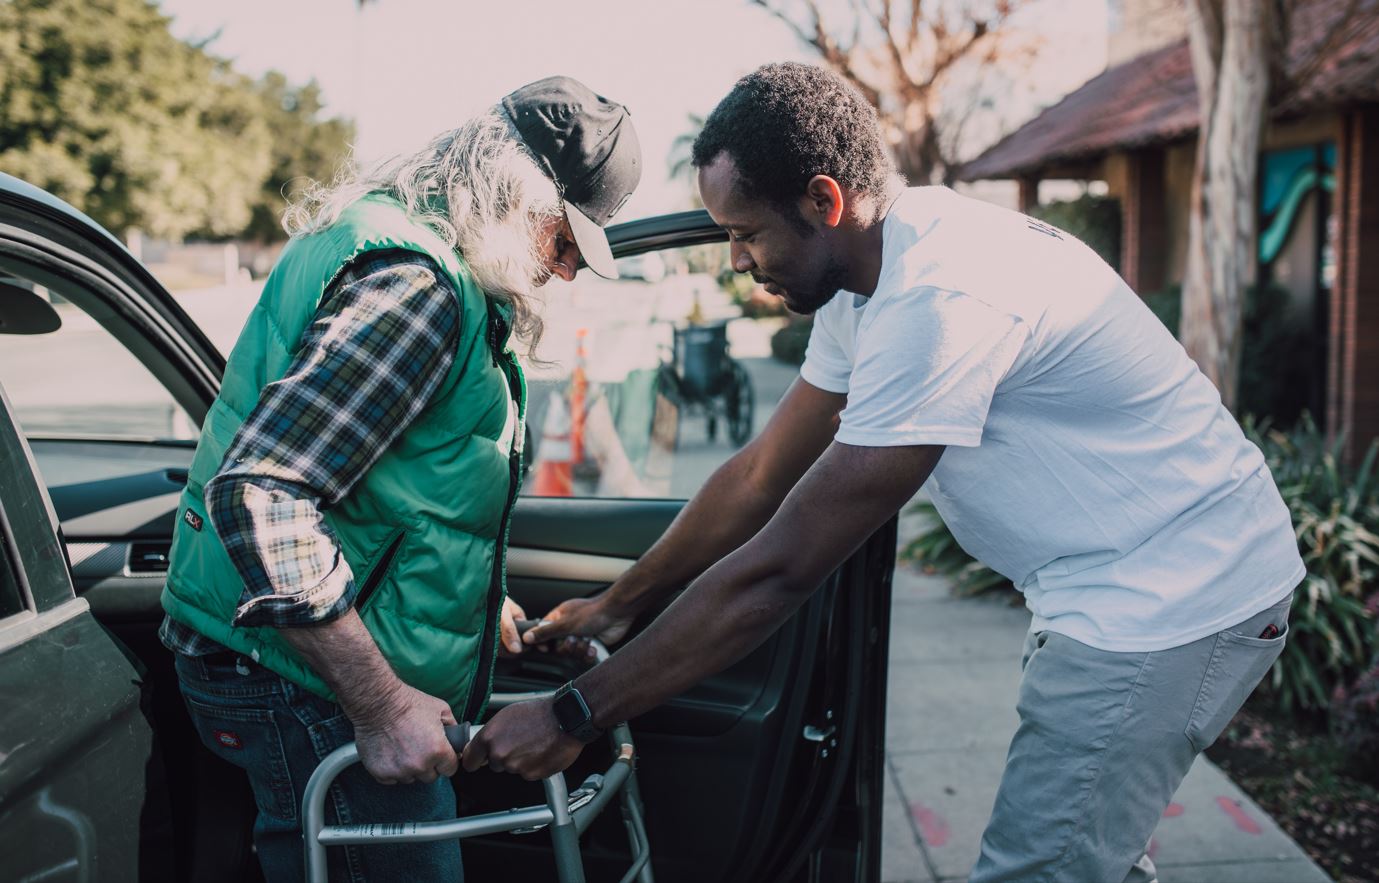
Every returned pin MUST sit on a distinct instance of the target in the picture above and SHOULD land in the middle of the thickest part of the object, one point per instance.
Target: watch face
(570, 711)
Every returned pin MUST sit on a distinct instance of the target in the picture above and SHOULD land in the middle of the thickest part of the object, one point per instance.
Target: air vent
(149, 557)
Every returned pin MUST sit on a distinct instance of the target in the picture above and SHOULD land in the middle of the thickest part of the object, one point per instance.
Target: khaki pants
(1104, 741)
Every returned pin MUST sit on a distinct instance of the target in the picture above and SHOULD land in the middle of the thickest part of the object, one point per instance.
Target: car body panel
(73, 743)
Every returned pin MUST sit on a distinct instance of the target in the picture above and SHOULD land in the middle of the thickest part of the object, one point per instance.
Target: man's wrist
(377, 706)
(572, 714)
(629, 596)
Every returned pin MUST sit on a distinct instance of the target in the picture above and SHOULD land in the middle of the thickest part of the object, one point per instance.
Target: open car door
(772, 769)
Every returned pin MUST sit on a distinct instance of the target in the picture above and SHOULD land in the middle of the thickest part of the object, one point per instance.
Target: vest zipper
(497, 588)
(380, 570)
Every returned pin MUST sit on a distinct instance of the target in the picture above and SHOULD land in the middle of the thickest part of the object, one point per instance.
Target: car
(770, 770)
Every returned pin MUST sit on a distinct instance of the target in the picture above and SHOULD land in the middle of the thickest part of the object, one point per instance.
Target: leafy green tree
(305, 147)
(101, 105)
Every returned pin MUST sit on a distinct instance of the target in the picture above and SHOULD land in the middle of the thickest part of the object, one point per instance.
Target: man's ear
(824, 200)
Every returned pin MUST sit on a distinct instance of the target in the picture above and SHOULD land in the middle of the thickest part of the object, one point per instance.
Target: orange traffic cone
(552, 469)
(579, 387)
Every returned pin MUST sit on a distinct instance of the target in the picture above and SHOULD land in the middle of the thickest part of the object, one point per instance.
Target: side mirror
(25, 312)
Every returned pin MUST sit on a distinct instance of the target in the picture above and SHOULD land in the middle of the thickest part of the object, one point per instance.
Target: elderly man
(337, 571)
(1067, 440)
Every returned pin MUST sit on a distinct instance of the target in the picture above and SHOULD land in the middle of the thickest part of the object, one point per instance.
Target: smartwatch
(572, 714)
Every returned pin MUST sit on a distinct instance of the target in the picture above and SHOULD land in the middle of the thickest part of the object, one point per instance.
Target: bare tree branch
(905, 74)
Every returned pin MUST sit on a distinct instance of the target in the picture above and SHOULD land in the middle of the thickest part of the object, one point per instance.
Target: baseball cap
(587, 145)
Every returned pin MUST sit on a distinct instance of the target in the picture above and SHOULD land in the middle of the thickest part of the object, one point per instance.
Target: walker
(568, 814)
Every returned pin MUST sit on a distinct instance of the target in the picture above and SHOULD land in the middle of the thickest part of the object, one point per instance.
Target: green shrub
(1277, 351)
(937, 551)
(789, 343)
(744, 291)
(1335, 513)
(1355, 720)
(1093, 219)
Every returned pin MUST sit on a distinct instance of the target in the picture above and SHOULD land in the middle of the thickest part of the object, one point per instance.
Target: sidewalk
(954, 674)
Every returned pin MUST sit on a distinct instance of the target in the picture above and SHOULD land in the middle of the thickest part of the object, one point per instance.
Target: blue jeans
(277, 732)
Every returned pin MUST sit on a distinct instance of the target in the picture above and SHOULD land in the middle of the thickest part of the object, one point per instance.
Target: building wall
(1353, 407)
(1180, 160)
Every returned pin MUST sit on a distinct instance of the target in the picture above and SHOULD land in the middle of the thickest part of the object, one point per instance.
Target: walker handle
(458, 735)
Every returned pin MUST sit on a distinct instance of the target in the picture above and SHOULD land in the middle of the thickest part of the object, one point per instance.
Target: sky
(405, 70)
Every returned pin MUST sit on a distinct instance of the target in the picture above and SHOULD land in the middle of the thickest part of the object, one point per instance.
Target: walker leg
(569, 867)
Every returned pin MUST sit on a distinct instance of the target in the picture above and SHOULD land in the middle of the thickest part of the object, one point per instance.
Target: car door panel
(73, 786)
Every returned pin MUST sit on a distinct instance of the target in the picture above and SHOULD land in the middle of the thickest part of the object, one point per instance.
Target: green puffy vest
(425, 530)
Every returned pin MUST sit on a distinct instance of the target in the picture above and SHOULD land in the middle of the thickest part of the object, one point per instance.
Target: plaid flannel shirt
(379, 345)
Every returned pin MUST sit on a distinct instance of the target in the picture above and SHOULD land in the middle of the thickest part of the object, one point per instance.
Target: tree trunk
(1230, 42)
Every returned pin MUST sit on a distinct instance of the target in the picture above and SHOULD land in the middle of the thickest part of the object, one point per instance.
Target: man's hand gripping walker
(567, 814)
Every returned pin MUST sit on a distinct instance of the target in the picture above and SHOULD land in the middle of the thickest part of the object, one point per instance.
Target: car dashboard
(117, 503)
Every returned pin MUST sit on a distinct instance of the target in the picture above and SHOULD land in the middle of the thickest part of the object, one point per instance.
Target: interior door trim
(573, 566)
(16, 629)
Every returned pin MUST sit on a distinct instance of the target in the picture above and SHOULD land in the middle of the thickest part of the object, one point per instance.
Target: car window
(644, 385)
(71, 376)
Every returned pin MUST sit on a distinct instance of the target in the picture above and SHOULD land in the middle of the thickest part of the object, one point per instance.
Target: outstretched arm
(728, 611)
(729, 509)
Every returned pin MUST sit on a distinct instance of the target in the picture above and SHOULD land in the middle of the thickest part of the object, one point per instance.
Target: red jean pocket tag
(228, 739)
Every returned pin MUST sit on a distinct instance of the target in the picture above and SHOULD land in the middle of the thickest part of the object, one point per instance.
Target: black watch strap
(572, 714)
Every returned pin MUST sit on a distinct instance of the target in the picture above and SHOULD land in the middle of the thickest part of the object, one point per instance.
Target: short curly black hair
(784, 123)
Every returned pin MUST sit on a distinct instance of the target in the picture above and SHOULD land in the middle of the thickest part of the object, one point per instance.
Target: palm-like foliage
(681, 155)
(1335, 510)
(937, 551)
(1336, 519)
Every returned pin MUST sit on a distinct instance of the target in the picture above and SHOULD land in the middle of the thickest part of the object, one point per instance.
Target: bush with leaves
(1355, 720)
(789, 343)
(936, 550)
(104, 107)
(1093, 219)
(1335, 512)
(1278, 350)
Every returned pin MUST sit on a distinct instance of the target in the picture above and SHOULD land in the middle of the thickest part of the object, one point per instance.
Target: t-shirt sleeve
(826, 365)
(928, 363)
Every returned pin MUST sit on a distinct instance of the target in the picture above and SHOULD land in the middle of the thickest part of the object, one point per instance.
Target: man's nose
(742, 260)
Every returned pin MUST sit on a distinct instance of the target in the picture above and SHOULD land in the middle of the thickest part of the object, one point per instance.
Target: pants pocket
(1238, 663)
(250, 739)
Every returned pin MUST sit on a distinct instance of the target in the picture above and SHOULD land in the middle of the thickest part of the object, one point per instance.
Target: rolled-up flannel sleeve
(367, 365)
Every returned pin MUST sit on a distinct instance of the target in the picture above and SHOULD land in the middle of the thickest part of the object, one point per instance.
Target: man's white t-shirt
(1088, 460)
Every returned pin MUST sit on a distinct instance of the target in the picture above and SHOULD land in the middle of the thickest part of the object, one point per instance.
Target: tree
(682, 155)
(102, 106)
(1240, 52)
(305, 147)
(903, 55)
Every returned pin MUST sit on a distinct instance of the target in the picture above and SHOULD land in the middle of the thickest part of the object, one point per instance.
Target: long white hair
(478, 188)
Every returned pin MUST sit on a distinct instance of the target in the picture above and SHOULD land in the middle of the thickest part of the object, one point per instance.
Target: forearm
(344, 654)
(727, 512)
(743, 599)
(724, 615)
